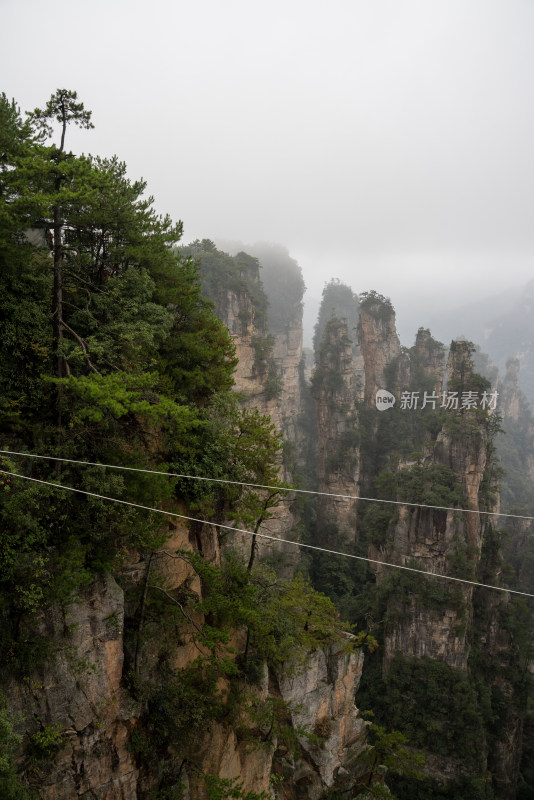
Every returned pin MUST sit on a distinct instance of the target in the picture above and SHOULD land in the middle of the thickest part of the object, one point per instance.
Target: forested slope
(137, 660)
(154, 644)
(453, 668)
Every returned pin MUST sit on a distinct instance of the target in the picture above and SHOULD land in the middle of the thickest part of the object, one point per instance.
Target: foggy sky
(388, 143)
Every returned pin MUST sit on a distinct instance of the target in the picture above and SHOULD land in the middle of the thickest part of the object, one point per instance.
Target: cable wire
(266, 486)
(266, 536)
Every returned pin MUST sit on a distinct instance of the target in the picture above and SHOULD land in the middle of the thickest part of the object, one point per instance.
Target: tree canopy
(110, 353)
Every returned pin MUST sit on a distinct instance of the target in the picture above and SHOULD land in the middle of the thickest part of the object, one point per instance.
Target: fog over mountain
(385, 144)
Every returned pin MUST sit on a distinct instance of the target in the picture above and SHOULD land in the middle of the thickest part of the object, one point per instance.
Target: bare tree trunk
(58, 289)
(263, 516)
(58, 323)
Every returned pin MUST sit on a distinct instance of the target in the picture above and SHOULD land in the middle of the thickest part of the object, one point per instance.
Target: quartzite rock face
(497, 644)
(438, 633)
(510, 391)
(253, 379)
(322, 699)
(444, 542)
(287, 353)
(337, 391)
(379, 345)
(437, 539)
(429, 359)
(80, 691)
(239, 318)
(518, 424)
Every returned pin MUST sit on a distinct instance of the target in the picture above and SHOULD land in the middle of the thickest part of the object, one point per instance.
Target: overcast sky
(388, 143)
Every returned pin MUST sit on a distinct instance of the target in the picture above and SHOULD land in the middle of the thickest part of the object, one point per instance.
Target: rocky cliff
(267, 376)
(178, 671)
(505, 640)
(516, 446)
(88, 731)
(141, 691)
(433, 449)
(379, 345)
(439, 540)
(337, 391)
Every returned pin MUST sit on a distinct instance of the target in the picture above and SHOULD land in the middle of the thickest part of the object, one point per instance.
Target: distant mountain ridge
(472, 319)
(501, 324)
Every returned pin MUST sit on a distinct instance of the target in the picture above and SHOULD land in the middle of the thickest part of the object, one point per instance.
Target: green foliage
(284, 286)
(388, 438)
(380, 307)
(47, 740)
(263, 348)
(525, 787)
(147, 368)
(230, 789)
(143, 352)
(435, 706)
(52, 542)
(198, 357)
(342, 579)
(139, 743)
(390, 749)
(386, 753)
(181, 704)
(264, 363)
(329, 381)
(333, 358)
(281, 620)
(11, 787)
(97, 398)
(399, 589)
(428, 789)
(340, 303)
(285, 619)
(377, 521)
(293, 621)
(231, 444)
(14, 132)
(471, 727)
(343, 455)
(514, 449)
(26, 342)
(63, 109)
(426, 351)
(435, 485)
(222, 273)
(265, 721)
(133, 368)
(273, 384)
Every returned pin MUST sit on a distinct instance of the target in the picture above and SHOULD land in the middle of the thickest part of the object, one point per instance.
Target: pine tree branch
(180, 606)
(82, 344)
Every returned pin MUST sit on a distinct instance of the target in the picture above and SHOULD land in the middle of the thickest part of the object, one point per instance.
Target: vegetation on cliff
(111, 354)
(447, 705)
(284, 286)
(338, 302)
(224, 277)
